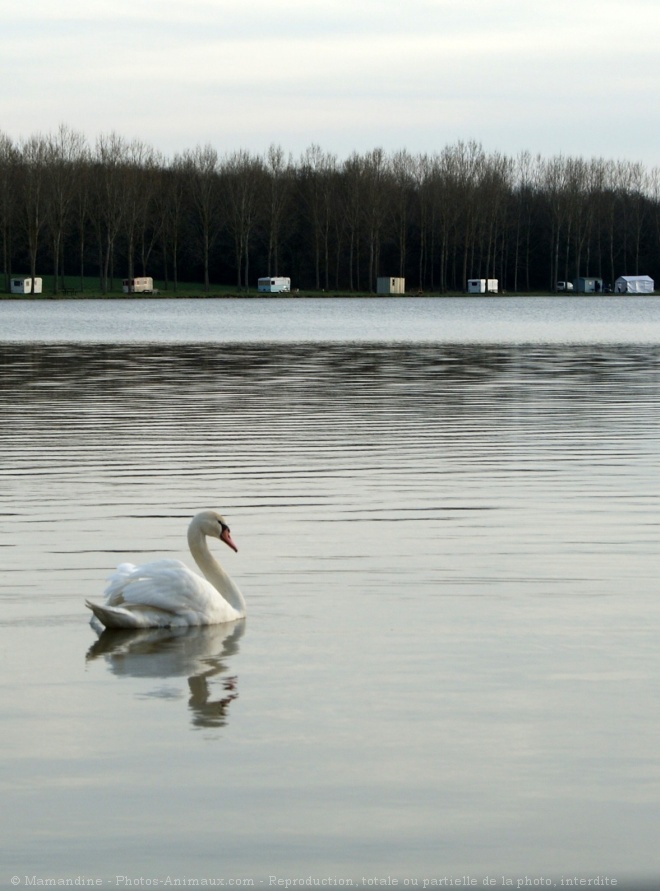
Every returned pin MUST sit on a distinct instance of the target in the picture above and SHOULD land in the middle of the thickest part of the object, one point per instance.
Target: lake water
(448, 529)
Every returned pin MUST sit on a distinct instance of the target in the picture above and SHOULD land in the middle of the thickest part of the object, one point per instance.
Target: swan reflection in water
(197, 653)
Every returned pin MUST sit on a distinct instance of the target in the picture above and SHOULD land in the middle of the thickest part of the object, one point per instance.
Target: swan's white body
(166, 594)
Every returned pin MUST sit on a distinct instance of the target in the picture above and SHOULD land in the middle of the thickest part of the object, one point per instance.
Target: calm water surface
(447, 521)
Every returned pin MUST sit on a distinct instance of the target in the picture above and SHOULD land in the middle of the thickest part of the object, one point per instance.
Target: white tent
(633, 284)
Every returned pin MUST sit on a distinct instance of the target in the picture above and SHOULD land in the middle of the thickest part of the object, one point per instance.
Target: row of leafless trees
(119, 209)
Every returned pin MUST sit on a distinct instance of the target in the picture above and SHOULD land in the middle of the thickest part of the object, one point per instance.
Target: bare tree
(151, 217)
(279, 172)
(404, 185)
(203, 180)
(33, 168)
(352, 177)
(109, 186)
(447, 194)
(493, 194)
(81, 210)
(243, 181)
(554, 190)
(607, 215)
(316, 180)
(654, 187)
(64, 151)
(638, 193)
(374, 208)
(139, 161)
(525, 177)
(316, 188)
(171, 204)
(9, 158)
(427, 175)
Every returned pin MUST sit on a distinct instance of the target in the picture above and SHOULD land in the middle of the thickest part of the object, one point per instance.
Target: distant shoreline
(306, 295)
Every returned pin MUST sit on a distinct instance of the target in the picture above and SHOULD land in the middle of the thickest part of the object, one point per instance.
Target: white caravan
(482, 286)
(274, 284)
(144, 285)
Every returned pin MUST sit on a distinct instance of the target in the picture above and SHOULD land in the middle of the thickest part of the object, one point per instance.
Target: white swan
(166, 594)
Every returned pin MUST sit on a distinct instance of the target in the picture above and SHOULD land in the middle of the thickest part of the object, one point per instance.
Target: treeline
(118, 209)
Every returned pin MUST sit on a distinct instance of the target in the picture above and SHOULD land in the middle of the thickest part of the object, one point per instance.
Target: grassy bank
(89, 289)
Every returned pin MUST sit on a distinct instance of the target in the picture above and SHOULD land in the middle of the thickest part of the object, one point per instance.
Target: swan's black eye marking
(223, 526)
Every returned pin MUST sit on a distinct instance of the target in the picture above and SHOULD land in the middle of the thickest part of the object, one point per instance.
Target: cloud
(515, 74)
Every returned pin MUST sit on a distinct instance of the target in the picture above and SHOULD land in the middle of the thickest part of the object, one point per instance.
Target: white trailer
(482, 286)
(144, 285)
(24, 286)
(274, 284)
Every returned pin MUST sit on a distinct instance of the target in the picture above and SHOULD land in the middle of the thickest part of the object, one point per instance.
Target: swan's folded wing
(166, 585)
(114, 591)
(127, 574)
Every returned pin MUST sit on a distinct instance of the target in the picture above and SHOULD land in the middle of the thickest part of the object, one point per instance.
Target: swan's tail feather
(117, 617)
(112, 618)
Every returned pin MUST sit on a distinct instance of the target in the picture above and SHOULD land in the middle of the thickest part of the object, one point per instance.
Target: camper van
(144, 285)
(274, 284)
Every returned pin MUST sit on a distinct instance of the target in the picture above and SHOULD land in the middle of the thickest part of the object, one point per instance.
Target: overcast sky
(576, 77)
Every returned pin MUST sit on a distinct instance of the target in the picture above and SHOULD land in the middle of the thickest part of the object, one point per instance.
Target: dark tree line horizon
(120, 209)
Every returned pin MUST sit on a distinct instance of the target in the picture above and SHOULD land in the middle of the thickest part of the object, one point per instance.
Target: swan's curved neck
(212, 569)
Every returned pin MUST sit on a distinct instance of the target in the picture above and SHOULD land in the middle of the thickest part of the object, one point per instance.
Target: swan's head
(212, 524)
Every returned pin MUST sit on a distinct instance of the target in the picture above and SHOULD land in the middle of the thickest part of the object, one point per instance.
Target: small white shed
(588, 285)
(274, 284)
(482, 286)
(390, 285)
(24, 286)
(634, 284)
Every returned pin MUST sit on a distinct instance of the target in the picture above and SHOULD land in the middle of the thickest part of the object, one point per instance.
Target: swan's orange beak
(226, 537)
